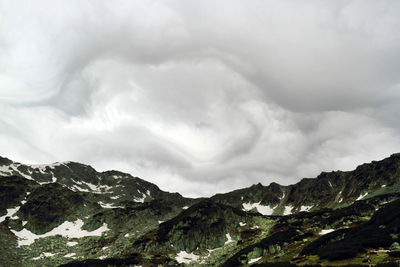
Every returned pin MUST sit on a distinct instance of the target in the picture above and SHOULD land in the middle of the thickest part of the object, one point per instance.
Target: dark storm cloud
(201, 96)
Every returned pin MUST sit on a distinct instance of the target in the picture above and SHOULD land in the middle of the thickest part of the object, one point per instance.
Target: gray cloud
(201, 97)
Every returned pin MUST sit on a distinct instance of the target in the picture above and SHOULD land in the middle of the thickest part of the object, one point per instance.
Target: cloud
(201, 97)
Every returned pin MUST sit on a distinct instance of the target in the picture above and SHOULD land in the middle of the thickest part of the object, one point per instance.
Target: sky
(201, 97)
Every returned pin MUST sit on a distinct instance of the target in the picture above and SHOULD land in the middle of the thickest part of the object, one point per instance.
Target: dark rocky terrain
(68, 214)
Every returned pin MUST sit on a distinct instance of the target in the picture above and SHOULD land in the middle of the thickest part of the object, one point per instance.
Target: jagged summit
(84, 178)
(328, 190)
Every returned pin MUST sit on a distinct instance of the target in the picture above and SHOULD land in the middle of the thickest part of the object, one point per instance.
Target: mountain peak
(5, 161)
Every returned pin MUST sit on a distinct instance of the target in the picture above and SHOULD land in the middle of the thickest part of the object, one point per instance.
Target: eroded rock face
(48, 206)
(8, 246)
(13, 190)
(204, 225)
(265, 195)
(379, 232)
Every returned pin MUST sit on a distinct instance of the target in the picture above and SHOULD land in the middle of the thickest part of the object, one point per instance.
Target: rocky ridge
(69, 214)
(328, 190)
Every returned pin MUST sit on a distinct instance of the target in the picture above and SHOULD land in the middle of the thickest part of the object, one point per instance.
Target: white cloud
(200, 97)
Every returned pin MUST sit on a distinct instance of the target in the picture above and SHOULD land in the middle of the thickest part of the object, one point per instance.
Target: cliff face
(68, 213)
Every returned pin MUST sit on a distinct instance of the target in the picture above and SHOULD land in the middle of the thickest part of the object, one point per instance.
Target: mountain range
(68, 214)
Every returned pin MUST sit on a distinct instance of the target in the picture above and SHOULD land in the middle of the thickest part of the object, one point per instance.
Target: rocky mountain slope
(71, 215)
(328, 190)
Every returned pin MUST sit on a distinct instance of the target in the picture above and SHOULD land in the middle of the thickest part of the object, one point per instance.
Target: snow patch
(70, 255)
(10, 213)
(105, 188)
(66, 229)
(185, 207)
(305, 208)
(361, 196)
(160, 222)
(339, 197)
(91, 186)
(43, 255)
(98, 189)
(78, 188)
(287, 210)
(254, 260)
(326, 231)
(72, 243)
(140, 199)
(242, 224)
(184, 257)
(228, 236)
(264, 210)
(51, 166)
(13, 167)
(5, 169)
(108, 206)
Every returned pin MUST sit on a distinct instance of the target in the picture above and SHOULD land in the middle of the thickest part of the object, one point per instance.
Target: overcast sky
(201, 97)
